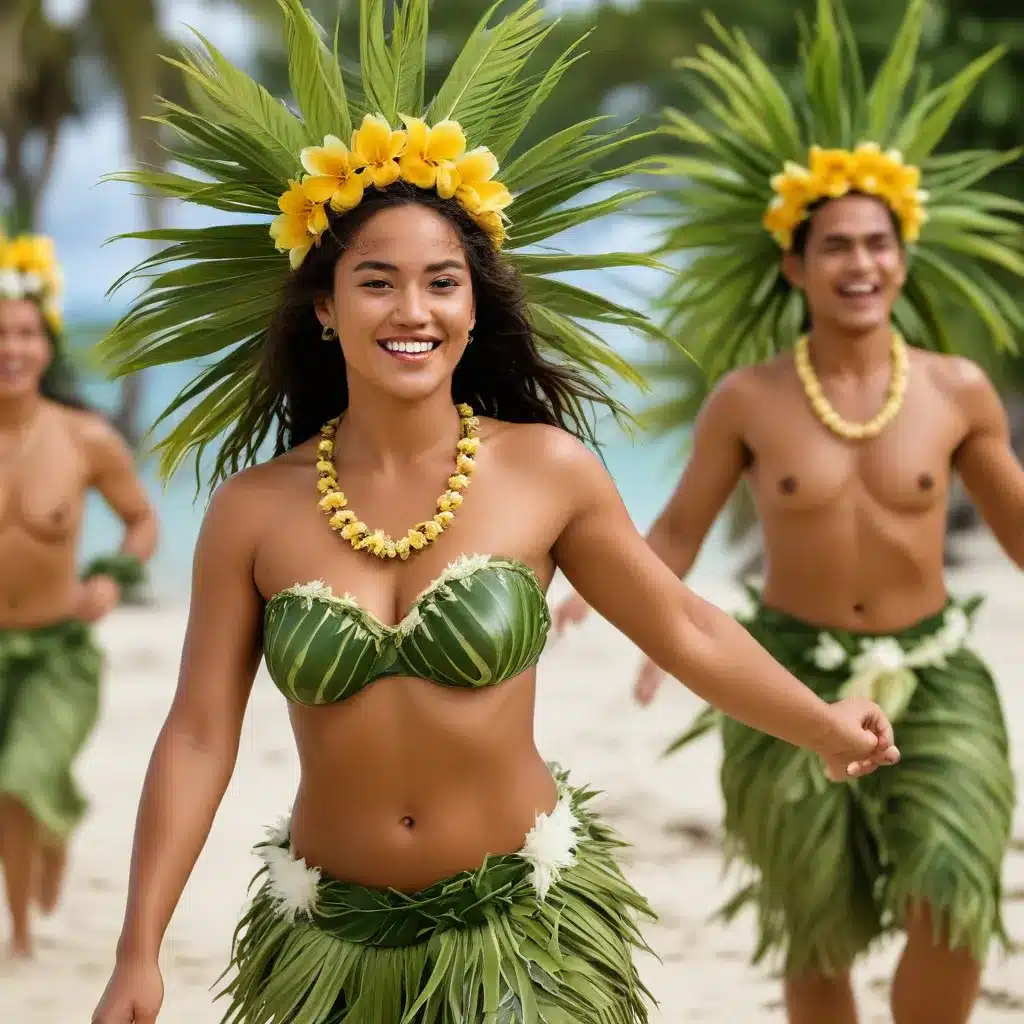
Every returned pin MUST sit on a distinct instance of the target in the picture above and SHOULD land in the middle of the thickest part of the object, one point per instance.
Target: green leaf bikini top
(483, 620)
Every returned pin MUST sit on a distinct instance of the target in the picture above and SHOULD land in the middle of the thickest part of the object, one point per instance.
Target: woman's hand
(133, 995)
(862, 740)
(648, 679)
(98, 596)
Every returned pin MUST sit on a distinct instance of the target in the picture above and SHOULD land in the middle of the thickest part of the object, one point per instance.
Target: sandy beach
(669, 810)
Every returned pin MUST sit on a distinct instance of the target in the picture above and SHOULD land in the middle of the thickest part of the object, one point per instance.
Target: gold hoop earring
(328, 333)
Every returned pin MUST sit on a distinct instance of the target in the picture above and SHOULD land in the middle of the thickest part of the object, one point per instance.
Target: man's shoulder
(755, 381)
(958, 377)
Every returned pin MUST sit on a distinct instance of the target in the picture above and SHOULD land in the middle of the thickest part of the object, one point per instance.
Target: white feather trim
(551, 844)
(293, 885)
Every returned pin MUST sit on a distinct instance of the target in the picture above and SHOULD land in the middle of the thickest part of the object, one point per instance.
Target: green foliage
(730, 300)
(245, 142)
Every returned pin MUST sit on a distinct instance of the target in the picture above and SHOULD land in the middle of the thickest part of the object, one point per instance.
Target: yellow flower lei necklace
(829, 417)
(344, 521)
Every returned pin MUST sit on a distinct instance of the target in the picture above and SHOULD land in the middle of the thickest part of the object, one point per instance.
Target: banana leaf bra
(483, 620)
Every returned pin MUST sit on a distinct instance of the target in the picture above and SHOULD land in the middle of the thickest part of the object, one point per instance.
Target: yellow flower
(299, 225)
(912, 217)
(444, 518)
(416, 539)
(332, 501)
(794, 186)
(376, 147)
(781, 220)
(430, 155)
(449, 501)
(482, 198)
(342, 518)
(431, 530)
(333, 175)
(831, 171)
(402, 548)
(352, 530)
(325, 448)
(375, 542)
(464, 464)
(325, 484)
(469, 445)
(325, 466)
(457, 482)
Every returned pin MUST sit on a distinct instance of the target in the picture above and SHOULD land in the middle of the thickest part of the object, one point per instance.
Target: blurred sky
(80, 212)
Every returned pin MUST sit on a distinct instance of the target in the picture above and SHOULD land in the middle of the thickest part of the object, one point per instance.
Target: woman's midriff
(410, 782)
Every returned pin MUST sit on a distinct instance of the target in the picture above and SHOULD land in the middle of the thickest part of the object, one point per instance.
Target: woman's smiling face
(403, 304)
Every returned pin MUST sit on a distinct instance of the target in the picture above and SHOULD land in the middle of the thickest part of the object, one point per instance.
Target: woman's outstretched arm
(195, 752)
(610, 565)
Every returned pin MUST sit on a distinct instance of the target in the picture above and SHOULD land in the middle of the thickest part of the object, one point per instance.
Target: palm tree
(38, 64)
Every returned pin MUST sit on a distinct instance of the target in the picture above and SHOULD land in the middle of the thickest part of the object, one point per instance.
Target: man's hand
(571, 612)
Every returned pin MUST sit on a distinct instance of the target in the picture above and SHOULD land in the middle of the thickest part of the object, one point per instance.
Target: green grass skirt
(836, 866)
(479, 948)
(49, 702)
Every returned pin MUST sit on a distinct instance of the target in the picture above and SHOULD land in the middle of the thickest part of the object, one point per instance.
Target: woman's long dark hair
(502, 374)
(60, 382)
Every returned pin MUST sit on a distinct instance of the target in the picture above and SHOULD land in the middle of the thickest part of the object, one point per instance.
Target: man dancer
(848, 443)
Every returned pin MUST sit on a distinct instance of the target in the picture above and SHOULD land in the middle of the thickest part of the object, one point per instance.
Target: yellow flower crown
(29, 270)
(427, 157)
(835, 172)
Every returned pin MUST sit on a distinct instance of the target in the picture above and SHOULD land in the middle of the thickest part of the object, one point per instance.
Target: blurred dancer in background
(52, 452)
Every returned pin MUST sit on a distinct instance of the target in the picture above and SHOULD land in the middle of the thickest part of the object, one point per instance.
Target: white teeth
(858, 289)
(412, 347)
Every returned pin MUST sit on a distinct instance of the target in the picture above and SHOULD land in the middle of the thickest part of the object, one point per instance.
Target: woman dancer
(433, 867)
(52, 452)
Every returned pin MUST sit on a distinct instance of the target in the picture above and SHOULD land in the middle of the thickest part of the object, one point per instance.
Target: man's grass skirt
(49, 702)
(543, 936)
(837, 866)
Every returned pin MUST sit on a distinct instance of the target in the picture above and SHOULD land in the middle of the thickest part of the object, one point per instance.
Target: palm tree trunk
(131, 42)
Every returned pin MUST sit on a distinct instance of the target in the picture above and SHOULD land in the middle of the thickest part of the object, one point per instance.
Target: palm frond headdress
(29, 270)
(355, 131)
(765, 155)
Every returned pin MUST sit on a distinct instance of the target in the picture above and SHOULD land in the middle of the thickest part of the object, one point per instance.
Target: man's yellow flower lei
(427, 157)
(29, 270)
(834, 173)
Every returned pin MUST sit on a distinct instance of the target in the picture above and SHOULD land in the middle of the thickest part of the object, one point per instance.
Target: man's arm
(718, 459)
(985, 459)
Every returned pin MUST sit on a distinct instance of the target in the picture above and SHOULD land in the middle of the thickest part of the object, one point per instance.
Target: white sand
(669, 809)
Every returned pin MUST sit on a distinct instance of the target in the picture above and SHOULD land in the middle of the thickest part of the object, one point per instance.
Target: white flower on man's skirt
(551, 845)
(955, 627)
(829, 653)
(292, 885)
(879, 657)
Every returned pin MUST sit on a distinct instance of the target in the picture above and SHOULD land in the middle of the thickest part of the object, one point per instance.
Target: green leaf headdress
(764, 155)
(355, 131)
